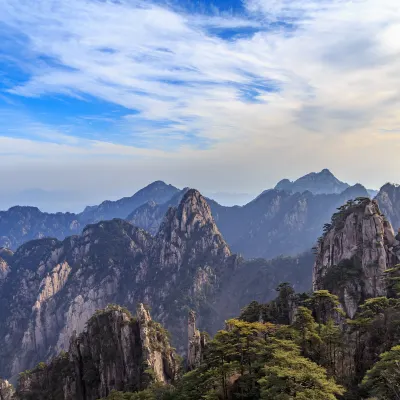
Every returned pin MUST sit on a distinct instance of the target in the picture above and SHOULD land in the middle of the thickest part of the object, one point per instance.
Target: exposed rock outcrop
(354, 252)
(196, 343)
(115, 351)
(6, 390)
(4, 270)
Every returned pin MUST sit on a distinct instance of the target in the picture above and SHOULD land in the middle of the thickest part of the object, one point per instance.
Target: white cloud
(337, 71)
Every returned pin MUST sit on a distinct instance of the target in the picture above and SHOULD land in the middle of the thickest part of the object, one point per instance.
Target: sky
(98, 98)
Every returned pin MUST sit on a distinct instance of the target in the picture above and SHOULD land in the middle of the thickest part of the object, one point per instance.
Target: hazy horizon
(69, 201)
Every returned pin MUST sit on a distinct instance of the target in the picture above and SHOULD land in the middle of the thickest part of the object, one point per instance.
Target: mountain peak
(323, 182)
(192, 226)
(354, 252)
(192, 213)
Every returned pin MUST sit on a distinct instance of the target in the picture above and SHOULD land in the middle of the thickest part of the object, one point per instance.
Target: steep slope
(18, 225)
(388, 199)
(111, 262)
(158, 192)
(53, 287)
(353, 254)
(275, 223)
(323, 182)
(115, 351)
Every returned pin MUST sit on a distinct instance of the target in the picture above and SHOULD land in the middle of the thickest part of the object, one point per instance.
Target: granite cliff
(114, 352)
(358, 246)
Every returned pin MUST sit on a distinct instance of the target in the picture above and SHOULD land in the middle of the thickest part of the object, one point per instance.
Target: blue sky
(100, 97)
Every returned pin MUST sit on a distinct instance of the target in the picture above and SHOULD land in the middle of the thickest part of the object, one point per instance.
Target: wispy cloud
(268, 80)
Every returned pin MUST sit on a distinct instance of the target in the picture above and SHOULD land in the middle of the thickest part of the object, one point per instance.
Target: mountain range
(52, 287)
(274, 223)
(178, 254)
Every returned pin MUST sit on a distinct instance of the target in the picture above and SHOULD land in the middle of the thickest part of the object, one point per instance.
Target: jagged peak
(192, 219)
(192, 213)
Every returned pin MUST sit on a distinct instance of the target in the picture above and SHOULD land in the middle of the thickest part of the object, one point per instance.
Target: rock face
(115, 351)
(4, 270)
(18, 225)
(354, 252)
(388, 199)
(6, 390)
(53, 287)
(196, 343)
(323, 182)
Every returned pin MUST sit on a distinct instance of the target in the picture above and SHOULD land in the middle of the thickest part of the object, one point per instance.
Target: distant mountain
(52, 287)
(276, 222)
(21, 223)
(158, 192)
(323, 182)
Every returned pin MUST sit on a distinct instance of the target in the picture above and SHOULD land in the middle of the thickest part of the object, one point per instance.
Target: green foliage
(308, 337)
(291, 376)
(324, 304)
(276, 311)
(249, 361)
(383, 380)
(156, 391)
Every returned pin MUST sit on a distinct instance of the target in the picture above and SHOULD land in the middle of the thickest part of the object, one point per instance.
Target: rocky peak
(192, 214)
(190, 226)
(354, 252)
(115, 351)
(323, 182)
